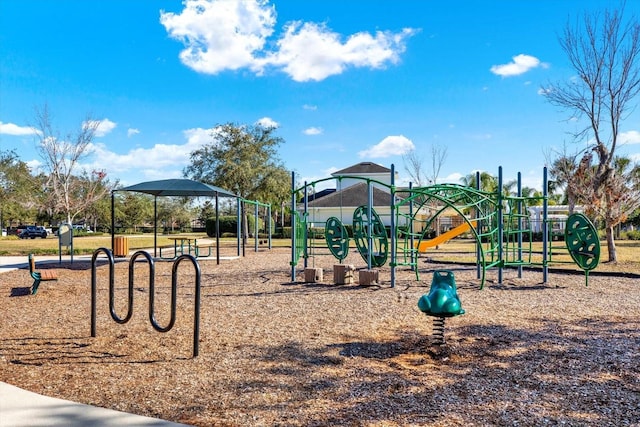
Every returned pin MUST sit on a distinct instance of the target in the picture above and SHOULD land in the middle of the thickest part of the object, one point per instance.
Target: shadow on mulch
(20, 291)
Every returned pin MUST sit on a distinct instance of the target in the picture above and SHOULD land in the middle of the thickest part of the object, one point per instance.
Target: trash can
(121, 246)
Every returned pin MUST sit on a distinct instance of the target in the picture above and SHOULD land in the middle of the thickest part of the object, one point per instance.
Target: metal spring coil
(438, 330)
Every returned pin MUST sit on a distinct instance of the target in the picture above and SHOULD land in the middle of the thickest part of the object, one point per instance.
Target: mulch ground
(273, 352)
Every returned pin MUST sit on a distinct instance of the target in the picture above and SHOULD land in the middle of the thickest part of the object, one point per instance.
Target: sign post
(65, 238)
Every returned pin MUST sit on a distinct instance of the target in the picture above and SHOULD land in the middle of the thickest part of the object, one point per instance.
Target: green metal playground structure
(500, 224)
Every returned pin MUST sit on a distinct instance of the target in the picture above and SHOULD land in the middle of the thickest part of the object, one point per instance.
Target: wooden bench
(39, 276)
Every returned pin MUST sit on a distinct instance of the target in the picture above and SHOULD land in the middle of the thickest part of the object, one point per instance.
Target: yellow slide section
(462, 228)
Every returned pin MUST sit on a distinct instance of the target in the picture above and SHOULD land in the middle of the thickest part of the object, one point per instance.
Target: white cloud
(310, 107)
(313, 131)
(223, 35)
(309, 51)
(197, 137)
(35, 165)
(102, 127)
(520, 65)
(219, 34)
(168, 160)
(268, 122)
(390, 146)
(132, 131)
(630, 137)
(13, 129)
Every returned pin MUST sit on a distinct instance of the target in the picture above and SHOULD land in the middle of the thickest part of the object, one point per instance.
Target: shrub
(633, 235)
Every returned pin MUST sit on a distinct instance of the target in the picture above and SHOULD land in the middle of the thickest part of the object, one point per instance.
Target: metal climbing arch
(479, 209)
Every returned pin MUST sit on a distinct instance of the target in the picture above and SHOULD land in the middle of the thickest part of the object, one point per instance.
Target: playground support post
(392, 231)
(255, 228)
(545, 225)
(479, 229)
(306, 209)
(519, 225)
(413, 255)
(155, 225)
(269, 225)
(113, 222)
(369, 222)
(217, 231)
(293, 226)
(500, 224)
(240, 241)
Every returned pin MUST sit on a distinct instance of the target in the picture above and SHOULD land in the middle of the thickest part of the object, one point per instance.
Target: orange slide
(462, 228)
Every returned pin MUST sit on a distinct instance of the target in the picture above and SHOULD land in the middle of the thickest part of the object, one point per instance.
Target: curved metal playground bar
(500, 224)
(174, 291)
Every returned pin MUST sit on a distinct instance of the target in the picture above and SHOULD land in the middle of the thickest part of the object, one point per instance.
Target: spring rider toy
(441, 302)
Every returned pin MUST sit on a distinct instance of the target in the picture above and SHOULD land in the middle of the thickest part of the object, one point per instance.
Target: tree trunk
(611, 245)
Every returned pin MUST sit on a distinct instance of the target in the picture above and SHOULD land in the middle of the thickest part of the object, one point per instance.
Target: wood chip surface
(277, 352)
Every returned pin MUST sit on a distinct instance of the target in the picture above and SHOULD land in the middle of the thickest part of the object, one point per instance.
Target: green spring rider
(441, 302)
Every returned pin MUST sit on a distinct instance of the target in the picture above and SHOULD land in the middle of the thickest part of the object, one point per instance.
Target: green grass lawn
(87, 244)
(462, 250)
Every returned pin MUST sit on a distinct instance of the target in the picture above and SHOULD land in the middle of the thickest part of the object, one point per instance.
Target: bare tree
(72, 190)
(414, 165)
(604, 51)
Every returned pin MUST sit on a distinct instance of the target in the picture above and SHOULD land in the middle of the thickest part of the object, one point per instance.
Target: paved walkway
(22, 408)
(8, 263)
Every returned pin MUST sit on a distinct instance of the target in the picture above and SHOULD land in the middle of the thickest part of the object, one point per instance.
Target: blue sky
(344, 81)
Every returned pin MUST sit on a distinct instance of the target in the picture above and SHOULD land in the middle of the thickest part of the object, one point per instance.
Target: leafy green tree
(243, 160)
(207, 210)
(18, 189)
(488, 182)
(604, 51)
(174, 212)
(561, 178)
(134, 210)
(99, 214)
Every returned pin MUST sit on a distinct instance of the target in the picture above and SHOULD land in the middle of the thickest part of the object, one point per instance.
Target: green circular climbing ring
(337, 238)
(378, 234)
(582, 241)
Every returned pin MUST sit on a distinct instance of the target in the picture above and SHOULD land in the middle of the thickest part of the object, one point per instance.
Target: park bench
(39, 276)
(196, 248)
(203, 244)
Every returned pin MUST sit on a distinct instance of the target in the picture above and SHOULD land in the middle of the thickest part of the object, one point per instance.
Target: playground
(276, 351)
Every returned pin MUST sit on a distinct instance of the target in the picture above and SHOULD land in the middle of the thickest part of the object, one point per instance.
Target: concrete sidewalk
(21, 408)
(8, 263)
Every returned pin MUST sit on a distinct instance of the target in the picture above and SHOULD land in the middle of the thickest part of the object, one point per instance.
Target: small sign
(65, 234)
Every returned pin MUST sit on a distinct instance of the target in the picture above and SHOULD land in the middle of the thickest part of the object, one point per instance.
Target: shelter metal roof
(178, 187)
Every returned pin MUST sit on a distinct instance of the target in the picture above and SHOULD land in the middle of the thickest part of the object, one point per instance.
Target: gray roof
(352, 196)
(363, 167)
(178, 187)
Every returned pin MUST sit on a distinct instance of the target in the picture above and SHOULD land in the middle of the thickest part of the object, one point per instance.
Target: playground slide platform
(454, 232)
